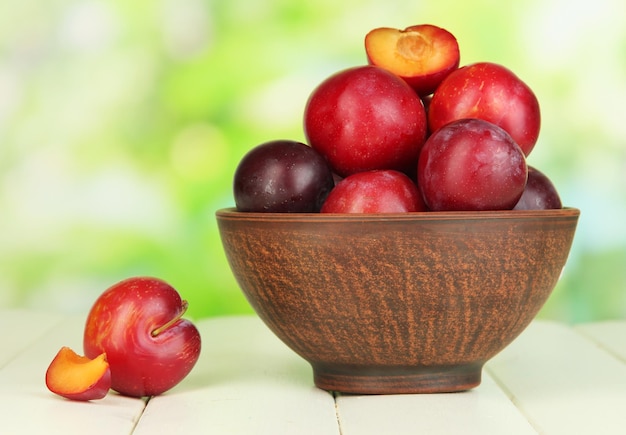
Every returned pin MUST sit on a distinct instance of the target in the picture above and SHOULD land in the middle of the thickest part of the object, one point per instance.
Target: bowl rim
(231, 213)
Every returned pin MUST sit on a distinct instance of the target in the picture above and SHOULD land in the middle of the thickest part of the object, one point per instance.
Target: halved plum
(423, 55)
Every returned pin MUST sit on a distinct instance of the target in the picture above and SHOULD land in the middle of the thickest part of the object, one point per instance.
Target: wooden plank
(20, 328)
(563, 382)
(27, 407)
(483, 410)
(246, 381)
(610, 334)
(553, 379)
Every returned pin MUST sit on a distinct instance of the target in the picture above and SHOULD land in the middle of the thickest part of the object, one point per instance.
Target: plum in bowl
(397, 303)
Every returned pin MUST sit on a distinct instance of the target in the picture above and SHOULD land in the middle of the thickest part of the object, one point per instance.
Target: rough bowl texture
(402, 303)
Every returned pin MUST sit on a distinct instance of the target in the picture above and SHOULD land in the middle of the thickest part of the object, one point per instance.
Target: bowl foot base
(405, 380)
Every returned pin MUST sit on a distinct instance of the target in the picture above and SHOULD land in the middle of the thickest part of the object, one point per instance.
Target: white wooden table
(553, 379)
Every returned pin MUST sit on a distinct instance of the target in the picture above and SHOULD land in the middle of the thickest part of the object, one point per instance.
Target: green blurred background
(121, 124)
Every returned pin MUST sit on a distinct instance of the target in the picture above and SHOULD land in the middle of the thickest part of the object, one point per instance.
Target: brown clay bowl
(399, 303)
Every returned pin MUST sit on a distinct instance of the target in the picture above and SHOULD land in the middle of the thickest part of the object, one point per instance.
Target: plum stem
(180, 314)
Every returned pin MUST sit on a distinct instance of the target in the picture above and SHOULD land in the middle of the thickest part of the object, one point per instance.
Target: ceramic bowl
(397, 303)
